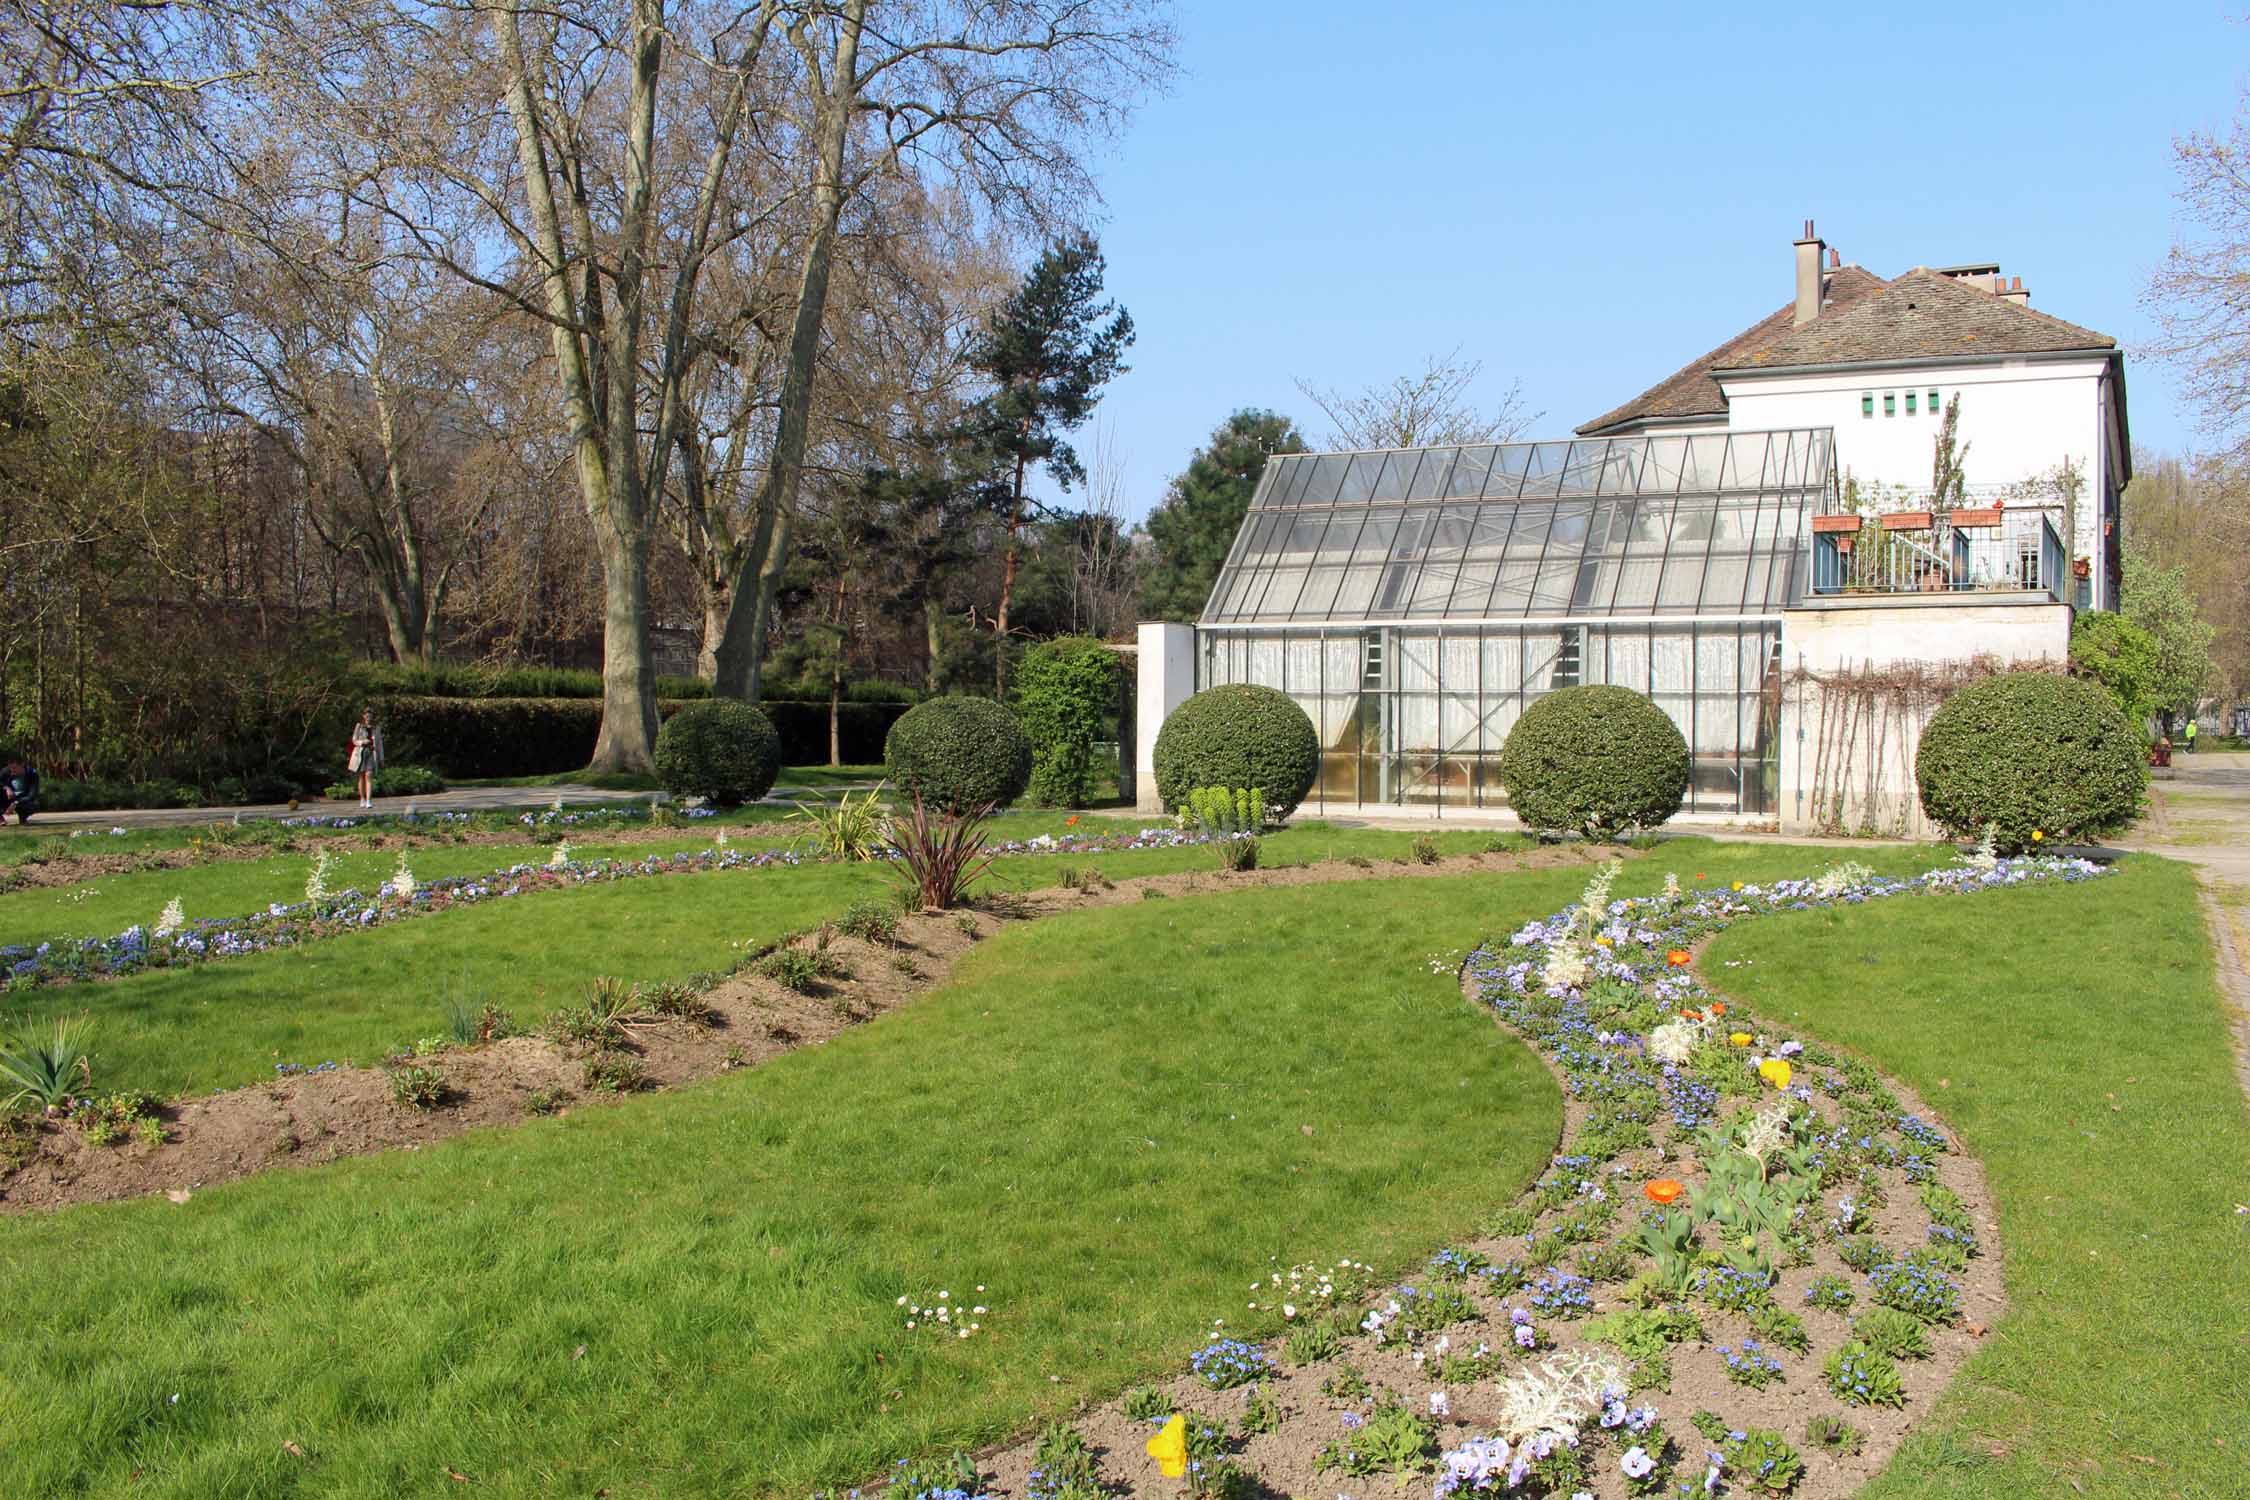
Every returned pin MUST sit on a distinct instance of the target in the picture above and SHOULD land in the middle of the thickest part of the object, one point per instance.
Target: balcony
(1965, 551)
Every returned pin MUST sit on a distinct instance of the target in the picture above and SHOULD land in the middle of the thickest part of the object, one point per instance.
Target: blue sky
(1585, 198)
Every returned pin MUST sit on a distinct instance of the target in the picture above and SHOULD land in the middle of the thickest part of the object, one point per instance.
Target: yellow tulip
(1775, 1071)
(1740, 1038)
(1169, 1448)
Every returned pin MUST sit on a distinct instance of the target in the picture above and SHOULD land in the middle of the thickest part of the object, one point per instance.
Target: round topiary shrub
(959, 754)
(718, 749)
(2034, 756)
(1239, 737)
(1595, 760)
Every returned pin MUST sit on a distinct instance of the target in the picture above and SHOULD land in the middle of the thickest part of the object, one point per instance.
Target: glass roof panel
(1703, 524)
(1359, 478)
(1397, 479)
(1470, 467)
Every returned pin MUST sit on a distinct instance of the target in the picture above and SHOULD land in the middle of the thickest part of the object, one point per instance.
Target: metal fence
(1920, 553)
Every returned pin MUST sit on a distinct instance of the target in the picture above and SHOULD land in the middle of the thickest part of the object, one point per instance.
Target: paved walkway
(2201, 814)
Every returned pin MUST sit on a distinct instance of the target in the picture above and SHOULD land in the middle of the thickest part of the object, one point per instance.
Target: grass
(605, 781)
(2073, 1037)
(694, 1293)
(1112, 1147)
(349, 998)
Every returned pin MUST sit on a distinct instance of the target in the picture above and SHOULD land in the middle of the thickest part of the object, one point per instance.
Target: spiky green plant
(46, 1067)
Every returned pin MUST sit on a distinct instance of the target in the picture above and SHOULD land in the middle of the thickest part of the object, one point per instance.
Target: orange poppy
(1718, 1007)
(1691, 1015)
(1678, 958)
(1662, 1190)
(1071, 821)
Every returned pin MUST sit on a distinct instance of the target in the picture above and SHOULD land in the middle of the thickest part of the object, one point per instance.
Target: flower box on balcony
(1975, 520)
(1909, 520)
(1840, 525)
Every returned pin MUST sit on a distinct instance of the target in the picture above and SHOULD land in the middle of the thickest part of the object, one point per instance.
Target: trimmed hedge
(2031, 753)
(720, 750)
(959, 754)
(466, 738)
(1238, 736)
(1596, 760)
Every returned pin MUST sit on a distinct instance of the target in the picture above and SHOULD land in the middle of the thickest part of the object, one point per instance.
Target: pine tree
(1048, 352)
(1195, 525)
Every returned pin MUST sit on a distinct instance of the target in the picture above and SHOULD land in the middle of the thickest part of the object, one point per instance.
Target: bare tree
(1422, 410)
(1103, 578)
(2201, 294)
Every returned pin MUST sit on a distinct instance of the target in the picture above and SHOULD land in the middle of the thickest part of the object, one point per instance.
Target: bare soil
(312, 1118)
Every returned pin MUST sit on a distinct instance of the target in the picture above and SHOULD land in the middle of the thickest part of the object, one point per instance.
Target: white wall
(2019, 419)
(1167, 679)
(1847, 761)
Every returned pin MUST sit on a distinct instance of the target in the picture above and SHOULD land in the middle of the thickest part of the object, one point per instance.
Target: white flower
(316, 884)
(1440, 1404)
(401, 883)
(1674, 1041)
(171, 919)
(560, 857)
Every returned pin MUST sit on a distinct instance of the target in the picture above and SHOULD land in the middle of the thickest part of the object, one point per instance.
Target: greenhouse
(1414, 601)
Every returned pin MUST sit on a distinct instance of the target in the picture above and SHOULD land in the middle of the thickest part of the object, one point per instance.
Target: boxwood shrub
(1238, 736)
(718, 749)
(2034, 756)
(1597, 760)
(959, 754)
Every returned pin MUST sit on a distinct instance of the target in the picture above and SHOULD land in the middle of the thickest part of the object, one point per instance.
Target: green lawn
(2073, 1036)
(352, 997)
(1111, 1120)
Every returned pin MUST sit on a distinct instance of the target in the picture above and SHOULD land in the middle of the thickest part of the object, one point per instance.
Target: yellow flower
(1602, 942)
(1738, 885)
(1774, 1071)
(1169, 1448)
(1740, 1038)
(2038, 837)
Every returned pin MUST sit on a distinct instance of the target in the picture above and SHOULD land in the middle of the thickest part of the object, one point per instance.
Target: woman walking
(366, 755)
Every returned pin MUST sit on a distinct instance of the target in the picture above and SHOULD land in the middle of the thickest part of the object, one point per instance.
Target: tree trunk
(742, 659)
(1007, 588)
(933, 635)
(628, 737)
(836, 679)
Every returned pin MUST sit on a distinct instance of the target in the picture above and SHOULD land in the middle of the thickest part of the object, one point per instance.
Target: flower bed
(1750, 1264)
(174, 942)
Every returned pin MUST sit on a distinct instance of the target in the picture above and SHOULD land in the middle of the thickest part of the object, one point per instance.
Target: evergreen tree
(1048, 351)
(1195, 525)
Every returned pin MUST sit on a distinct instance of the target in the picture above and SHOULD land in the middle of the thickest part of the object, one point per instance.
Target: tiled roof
(1691, 392)
(1921, 315)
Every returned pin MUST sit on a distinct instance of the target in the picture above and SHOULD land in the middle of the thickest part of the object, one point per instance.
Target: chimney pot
(1835, 260)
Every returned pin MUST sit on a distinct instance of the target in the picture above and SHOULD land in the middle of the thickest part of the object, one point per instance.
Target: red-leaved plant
(940, 857)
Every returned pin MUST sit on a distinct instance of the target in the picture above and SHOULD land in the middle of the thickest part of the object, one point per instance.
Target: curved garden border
(1542, 1360)
(62, 961)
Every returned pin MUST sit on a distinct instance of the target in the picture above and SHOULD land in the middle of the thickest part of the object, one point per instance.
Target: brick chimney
(1810, 277)
(2014, 292)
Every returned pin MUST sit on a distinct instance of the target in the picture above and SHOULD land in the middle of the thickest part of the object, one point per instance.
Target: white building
(1878, 361)
(1750, 543)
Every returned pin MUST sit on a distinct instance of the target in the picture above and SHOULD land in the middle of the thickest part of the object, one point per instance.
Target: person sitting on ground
(19, 791)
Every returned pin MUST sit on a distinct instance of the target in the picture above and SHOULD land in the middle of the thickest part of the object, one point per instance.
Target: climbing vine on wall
(1859, 728)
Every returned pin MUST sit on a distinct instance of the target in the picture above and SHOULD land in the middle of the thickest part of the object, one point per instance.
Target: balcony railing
(1917, 552)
